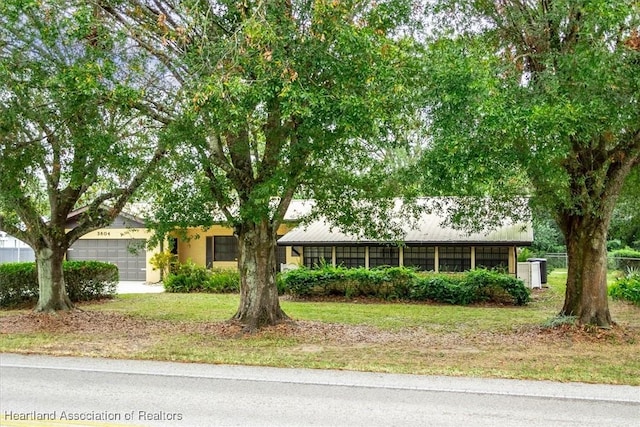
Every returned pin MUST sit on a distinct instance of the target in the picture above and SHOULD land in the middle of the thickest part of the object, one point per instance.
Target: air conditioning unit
(529, 273)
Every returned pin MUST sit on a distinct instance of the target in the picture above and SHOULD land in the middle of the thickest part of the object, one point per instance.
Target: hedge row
(405, 284)
(190, 277)
(625, 258)
(84, 280)
(394, 283)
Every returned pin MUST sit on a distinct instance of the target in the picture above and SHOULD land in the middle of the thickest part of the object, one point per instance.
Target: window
(454, 258)
(221, 248)
(315, 256)
(492, 257)
(420, 257)
(350, 256)
(381, 255)
(173, 245)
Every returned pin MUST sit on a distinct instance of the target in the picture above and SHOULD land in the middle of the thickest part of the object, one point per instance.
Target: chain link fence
(559, 260)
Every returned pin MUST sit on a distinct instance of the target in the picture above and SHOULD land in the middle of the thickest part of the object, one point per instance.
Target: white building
(14, 250)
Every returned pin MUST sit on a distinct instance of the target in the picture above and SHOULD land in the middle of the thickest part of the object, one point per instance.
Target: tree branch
(240, 153)
(12, 230)
(283, 206)
(166, 60)
(97, 217)
(218, 157)
(217, 195)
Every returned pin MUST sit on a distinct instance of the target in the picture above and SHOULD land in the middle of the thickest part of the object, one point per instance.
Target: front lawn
(490, 341)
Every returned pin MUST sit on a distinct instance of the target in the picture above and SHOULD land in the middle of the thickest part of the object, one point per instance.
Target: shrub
(625, 258)
(18, 284)
(386, 283)
(627, 288)
(304, 282)
(189, 277)
(90, 280)
(613, 245)
(472, 287)
(442, 288)
(400, 282)
(404, 283)
(525, 254)
(84, 280)
(489, 285)
(163, 261)
(223, 281)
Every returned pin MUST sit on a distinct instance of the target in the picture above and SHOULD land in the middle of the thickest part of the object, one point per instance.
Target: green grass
(166, 306)
(397, 316)
(489, 341)
(390, 316)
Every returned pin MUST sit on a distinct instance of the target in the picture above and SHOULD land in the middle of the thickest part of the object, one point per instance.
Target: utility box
(543, 268)
(529, 273)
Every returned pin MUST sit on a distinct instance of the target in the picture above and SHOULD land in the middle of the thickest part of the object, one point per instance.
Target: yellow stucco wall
(194, 246)
(294, 259)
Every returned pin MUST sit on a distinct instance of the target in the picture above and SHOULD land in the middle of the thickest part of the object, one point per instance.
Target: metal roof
(429, 229)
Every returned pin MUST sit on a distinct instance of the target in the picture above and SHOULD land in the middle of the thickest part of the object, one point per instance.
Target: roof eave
(405, 243)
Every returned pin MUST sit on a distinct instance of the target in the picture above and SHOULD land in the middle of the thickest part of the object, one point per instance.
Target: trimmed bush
(405, 284)
(84, 280)
(625, 258)
(386, 283)
(400, 282)
(303, 282)
(627, 288)
(90, 280)
(448, 289)
(18, 284)
(190, 277)
(489, 285)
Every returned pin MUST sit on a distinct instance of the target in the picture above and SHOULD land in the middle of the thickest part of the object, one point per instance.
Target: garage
(132, 266)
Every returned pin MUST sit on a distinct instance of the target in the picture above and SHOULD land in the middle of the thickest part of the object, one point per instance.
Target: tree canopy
(546, 90)
(279, 98)
(70, 134)
(625, 224)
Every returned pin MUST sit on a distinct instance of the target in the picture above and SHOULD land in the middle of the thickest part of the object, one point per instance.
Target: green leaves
(71, 132)
(84, 280)
(285, 98)
(403, 283)
(537, 90)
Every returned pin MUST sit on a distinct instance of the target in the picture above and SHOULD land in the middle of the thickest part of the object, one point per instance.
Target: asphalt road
(100, 392)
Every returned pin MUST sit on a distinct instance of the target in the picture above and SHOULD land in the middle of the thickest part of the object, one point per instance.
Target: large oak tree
(551, 89)
(70, 135)
(281, 97)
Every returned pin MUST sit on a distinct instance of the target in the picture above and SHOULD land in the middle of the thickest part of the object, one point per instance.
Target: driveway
(127, 287)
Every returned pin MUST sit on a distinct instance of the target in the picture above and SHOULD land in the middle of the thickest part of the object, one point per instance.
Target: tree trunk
(53, 293)
(259, 303)
(586, 294)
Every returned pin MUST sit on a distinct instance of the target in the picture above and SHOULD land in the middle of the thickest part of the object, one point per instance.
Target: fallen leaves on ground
(132, 327)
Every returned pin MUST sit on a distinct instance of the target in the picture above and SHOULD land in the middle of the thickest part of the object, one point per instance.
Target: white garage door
(132, 266)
